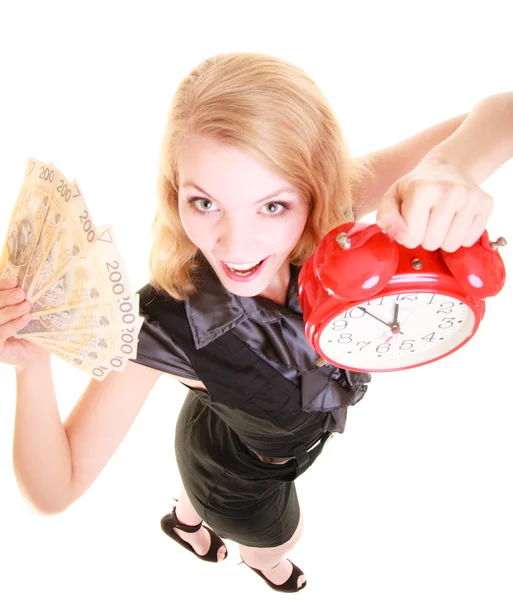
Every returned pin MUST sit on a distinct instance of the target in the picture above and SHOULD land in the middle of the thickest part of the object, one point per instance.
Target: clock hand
(380, 320)
(373, 316)
(408, 316)
(411, 313)
(396, 313)
(394, 325)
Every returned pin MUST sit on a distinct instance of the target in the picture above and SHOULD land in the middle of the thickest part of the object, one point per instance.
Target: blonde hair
(273, 110)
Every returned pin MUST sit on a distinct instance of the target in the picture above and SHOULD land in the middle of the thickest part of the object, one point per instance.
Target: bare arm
(478, 142)
(99, 421)
(41, 454)
(484, 142)
(102, 417)
(392, 162)
(55, 462)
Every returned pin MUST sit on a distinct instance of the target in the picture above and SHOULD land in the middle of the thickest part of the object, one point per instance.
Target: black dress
(268, 411)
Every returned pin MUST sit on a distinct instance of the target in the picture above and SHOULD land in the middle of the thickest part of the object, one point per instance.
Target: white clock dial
(397, 331)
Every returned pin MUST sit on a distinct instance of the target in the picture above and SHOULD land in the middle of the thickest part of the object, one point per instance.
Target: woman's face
(239, 214)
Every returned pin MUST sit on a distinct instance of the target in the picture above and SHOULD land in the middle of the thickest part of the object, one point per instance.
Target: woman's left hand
(435, 206)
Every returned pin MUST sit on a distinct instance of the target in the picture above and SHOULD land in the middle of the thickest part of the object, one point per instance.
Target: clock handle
(479, 268)
(357, 234)
(355, 260)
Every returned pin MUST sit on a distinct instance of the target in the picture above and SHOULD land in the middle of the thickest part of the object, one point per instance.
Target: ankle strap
(182, 526)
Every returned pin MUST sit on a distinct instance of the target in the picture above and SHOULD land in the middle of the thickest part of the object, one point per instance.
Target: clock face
(397, 331)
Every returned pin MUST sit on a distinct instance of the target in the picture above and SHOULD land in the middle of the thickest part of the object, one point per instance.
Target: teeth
(241, 266)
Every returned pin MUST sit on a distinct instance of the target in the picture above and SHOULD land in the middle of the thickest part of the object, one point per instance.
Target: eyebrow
(268, 197)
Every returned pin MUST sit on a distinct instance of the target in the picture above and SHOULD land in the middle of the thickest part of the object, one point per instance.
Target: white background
(414, 500)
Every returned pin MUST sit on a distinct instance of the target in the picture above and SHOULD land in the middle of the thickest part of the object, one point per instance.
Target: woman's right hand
(14, 315)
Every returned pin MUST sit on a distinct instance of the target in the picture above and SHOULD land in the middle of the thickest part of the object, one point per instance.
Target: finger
(12, 327)
(458, 230)
(439, 222)
(479, 223)
(14, 311)
(7, 284)
(416, 212)
(451, 200)
(389, 216)
(11, 296)
(475, 230)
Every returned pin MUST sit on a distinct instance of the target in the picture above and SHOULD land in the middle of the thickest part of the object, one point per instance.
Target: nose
(237, 240)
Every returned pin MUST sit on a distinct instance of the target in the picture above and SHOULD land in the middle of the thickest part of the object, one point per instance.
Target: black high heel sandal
(170, 521)
(289, 586)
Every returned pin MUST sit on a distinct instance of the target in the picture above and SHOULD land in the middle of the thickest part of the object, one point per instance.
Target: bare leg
(200, 540)
(271, 561)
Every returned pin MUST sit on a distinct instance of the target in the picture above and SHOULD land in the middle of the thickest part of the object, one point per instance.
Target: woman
(254, 171)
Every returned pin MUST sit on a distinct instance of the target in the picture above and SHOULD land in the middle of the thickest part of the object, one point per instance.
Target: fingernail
(398, 234)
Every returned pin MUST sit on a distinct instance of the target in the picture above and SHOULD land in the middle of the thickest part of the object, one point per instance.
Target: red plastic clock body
(335, 279)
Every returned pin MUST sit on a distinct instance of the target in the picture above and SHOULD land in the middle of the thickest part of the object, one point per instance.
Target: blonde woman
(254, 171)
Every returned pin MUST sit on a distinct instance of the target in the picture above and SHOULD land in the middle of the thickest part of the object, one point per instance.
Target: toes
(301, 580)
(221, 553)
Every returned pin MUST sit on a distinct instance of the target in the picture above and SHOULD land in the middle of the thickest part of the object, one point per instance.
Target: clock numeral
(352, 314)
(339, 324)
(345, 338)
(429, 337)
(406, 345)
(447, 325)
(432, 298)
(385, 346)
(446, 308)
(364, 344)
(380, 303)
(409, 297)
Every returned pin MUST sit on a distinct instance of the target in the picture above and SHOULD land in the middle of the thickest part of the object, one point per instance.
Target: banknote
(74, 238)
(52, 224)
(84, 356)
(116, 315)
(99, 278)
(95, 367)
(83, 308)
(113, 341)
(26, 220)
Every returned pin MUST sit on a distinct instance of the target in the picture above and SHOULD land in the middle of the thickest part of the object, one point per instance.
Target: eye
(276, 208)
(203, 205)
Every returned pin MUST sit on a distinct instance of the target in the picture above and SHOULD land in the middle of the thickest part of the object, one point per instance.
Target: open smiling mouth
(243, 272)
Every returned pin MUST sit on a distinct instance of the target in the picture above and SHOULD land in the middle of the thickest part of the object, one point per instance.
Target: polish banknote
(83, 309)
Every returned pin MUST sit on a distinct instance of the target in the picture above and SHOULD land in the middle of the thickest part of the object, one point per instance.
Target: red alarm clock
(371, 304)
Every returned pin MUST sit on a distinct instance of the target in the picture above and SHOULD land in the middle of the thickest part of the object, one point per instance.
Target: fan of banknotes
(83, 310)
